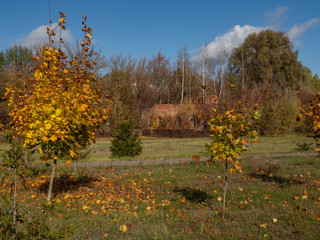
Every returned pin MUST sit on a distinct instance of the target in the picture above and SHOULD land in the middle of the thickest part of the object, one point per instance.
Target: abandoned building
(178, 120)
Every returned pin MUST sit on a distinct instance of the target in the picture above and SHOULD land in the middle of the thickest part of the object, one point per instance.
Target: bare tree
(183, 70)
(185, 75)
(141, 88)
(206, 66)
(117, 84)
(160, 74)
(221, 65)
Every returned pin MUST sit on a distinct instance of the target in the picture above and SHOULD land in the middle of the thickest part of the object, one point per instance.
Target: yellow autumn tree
(61, 105)
(229, 133)
(312, 112)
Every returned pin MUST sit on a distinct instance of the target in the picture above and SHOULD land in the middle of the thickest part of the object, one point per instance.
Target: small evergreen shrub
(126, 143)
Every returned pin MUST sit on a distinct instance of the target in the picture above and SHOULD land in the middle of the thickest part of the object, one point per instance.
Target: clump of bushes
(126, 142)
(279, 115)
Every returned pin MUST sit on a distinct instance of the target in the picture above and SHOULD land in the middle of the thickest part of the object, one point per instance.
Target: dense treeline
(264, 70)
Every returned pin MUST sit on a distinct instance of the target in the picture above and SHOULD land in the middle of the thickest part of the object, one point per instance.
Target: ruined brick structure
(177, 119)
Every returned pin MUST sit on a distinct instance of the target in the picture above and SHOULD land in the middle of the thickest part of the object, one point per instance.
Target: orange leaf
(223, 156)
(68, 163)
(62, 20)
(243, 141)
(196, 158)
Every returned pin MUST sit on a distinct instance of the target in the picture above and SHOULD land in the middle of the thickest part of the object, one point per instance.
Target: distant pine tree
(126, 143)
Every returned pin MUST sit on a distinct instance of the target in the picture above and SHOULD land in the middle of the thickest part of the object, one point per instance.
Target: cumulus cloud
(296, 31)
(230, 40)
(236, 36)
(39, 36)
(274, 17)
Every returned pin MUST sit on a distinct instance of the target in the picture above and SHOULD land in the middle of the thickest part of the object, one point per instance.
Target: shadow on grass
(276, 179)
(193, 195)
(67, 182)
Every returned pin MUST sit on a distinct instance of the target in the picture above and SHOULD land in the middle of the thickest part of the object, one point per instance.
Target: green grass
(286, 143)
(181, 201)
(166, 148)
(153, 149)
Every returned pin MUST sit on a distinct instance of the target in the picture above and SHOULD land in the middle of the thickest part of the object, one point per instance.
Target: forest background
(264, 71)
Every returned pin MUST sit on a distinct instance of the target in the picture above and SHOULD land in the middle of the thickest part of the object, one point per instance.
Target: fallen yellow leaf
(263, 225)
(123, 228)
(219, 199)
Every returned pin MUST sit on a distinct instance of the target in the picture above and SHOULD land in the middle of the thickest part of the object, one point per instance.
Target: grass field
(166, 148)
(182, 201)
(275, 197)
(156, 148)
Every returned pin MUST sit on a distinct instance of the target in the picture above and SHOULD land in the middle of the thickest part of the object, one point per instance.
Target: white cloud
(39, 36)
(274, 17)
(237, 35)
(230, 40)
(296, 31)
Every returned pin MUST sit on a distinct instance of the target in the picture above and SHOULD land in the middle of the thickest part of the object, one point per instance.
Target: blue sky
(141, 28)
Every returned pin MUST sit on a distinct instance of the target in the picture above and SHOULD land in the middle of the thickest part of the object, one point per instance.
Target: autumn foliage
(229, 131)
(312, 112)
(60, 107)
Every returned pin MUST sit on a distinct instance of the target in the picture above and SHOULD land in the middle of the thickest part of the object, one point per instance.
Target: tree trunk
(203, 81)
(242, 71)
(203, 72)
(25, 159)
(182, 85)
(14, 215)
(225, 189)
(221, 86)
(51, 180)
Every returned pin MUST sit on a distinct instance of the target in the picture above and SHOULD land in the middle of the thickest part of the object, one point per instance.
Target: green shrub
(126, 143)
(279, 115)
